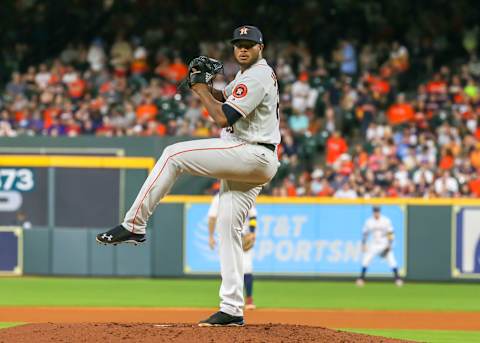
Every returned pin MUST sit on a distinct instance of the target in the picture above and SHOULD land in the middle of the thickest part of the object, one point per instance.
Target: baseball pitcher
(244, 158)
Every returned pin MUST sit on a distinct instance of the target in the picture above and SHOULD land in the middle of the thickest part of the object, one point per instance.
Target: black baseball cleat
(119, 235)
(222, 319)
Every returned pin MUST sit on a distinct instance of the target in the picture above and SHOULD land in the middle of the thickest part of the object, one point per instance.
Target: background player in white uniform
(380, 229)
(248, 229)
(244, 160)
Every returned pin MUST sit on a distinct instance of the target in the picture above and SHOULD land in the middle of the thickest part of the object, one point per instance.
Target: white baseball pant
(243, 168)
(374, 250)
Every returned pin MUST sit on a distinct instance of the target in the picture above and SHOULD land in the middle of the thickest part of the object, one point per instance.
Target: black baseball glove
(385, 252)
(202, 69)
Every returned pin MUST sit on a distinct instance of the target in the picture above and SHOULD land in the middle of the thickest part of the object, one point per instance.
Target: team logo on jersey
(240, 91)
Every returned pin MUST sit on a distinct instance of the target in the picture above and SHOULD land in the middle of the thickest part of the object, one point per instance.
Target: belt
(268, 146)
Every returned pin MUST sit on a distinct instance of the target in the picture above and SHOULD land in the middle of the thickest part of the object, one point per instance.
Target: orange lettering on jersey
(240, 91)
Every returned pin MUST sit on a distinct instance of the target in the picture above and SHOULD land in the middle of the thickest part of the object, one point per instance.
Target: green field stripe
(430, 336)
(267, 294)
(5, 325)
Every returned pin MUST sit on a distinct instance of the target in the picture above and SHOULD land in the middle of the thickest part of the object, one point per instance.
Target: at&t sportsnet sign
(293, 239)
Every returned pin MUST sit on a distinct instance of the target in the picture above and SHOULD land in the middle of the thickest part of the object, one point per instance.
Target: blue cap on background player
(376, 208)
(247, 32)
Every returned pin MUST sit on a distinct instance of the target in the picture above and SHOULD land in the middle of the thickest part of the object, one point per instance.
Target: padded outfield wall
(70, 189)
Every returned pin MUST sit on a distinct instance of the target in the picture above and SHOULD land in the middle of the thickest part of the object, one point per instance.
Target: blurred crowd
(365, 119)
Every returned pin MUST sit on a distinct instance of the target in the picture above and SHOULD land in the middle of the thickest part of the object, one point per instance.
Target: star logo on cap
(244, 30)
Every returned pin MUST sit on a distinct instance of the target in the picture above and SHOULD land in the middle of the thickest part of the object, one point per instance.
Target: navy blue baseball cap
(247, 32)
(376, 208)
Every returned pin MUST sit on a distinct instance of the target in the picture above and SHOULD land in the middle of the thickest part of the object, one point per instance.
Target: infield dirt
(95, 324)
(122, 332)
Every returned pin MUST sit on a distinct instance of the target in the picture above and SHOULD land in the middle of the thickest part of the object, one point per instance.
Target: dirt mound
(121, 332)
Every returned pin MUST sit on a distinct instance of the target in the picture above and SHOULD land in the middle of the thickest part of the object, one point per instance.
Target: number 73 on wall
(17, 179)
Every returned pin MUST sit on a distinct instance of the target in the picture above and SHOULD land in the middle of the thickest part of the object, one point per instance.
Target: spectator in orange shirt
(400, 112)
(154, 128)
(447, 160)
(336, 146)
(289, 186)
(437, 85)
(76, 88)
(360, 157)
(147, 110)
(474, 185)
(327, 190)
(177, 71)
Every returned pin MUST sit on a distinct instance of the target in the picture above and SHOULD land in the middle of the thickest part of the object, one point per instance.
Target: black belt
(268, 146)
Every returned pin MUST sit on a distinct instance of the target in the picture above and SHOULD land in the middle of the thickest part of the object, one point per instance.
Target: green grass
(433, 336)
(5, 325)
(268, 294)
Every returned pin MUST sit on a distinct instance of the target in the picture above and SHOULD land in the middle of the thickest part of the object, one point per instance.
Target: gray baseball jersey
(254, 94)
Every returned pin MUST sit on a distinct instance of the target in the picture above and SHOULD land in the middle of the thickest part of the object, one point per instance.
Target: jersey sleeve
(227, 91)
(247, 94)
(213, 209)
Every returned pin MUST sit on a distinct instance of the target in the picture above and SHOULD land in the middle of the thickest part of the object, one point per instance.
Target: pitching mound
(116, 332)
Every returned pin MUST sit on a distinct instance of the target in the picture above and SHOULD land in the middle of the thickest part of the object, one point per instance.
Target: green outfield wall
(69, 204)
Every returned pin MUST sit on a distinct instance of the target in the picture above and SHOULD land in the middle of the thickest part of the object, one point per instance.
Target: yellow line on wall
(263, 199)
(68, 161)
